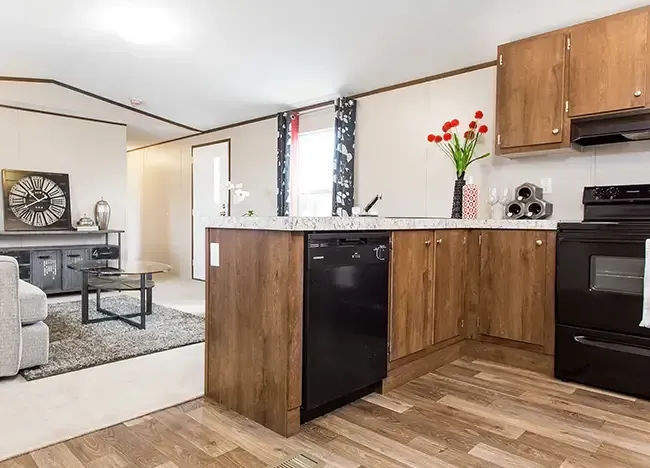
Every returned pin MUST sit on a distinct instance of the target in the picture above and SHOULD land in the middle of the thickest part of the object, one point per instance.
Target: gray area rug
(74, 346)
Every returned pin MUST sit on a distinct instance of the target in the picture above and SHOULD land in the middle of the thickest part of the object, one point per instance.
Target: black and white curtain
(345, 126)
(285, 137)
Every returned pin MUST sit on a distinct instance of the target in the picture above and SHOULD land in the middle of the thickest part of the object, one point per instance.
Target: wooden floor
(470, 413)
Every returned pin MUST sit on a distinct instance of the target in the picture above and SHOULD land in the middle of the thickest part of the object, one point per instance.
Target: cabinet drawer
(606, 360)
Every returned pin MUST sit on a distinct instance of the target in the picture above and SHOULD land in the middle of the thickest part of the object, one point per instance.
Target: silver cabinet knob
(538, 242)
(427, 242)
(556, 131)
(638, 93)
(439, 241)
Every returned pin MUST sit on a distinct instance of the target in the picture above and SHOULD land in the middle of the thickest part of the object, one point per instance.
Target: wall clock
(35, 201)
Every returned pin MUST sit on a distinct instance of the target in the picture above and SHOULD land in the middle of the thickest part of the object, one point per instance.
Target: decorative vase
(457, 205)
(102, 214)
(470, 200)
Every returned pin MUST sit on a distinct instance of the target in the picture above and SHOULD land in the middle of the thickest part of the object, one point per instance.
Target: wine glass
(504, 198)
(493, 199)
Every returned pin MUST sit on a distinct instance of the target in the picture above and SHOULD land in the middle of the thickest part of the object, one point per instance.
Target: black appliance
(607, 129)
(345, 334)
(599, 292)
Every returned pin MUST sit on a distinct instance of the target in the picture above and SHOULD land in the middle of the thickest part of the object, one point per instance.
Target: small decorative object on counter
(102, 214)
(461, 153)
(86, 224)
(249, 213)
(529, 203)
(470, 200)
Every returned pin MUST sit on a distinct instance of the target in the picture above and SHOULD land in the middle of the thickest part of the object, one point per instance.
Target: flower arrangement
(461, 150)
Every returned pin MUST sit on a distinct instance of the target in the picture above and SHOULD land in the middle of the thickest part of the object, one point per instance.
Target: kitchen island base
(254, 315)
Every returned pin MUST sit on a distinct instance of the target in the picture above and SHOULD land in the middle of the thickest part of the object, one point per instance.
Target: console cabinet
(47, 267)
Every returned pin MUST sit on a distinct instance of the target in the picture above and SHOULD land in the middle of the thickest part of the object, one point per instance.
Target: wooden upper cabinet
(608, 64)
(450, 271)
(512, 285)
(411, 314)
(531, 92)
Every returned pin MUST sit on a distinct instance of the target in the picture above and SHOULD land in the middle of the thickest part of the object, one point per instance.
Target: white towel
(645, 322)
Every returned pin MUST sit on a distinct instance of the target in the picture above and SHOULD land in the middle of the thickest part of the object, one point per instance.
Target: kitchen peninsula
(478, 287)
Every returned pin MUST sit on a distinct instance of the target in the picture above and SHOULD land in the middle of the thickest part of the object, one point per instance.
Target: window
(315, 172)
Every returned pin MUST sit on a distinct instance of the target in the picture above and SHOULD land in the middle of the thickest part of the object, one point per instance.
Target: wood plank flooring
(470, 413)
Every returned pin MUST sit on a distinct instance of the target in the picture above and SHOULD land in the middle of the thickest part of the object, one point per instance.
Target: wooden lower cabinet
(411, 308)
(428, 289)
(450, 271)
(512, 285)
(495, 286)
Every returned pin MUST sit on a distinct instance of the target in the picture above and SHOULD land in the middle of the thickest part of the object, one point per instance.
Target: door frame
(210, 143)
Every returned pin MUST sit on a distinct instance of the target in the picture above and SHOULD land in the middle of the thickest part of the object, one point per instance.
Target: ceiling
(225, 61)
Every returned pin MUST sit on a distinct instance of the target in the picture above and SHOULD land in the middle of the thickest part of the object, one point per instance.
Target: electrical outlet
(547, 185)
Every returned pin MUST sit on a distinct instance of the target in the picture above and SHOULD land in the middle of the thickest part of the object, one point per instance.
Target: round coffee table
(116, 275)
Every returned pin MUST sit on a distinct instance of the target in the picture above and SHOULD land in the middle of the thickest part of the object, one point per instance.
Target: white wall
(160, 190)
(393, 157)
(93, 154)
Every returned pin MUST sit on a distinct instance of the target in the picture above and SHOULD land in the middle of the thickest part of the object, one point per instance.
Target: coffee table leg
(149, 294)
(99, 301)
(84, 298)
(143, 301)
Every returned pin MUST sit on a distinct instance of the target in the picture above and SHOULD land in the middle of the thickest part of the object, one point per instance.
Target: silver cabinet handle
(439, 241)
(556, 131)
(638, 93)
(427, 242)
(539, 242)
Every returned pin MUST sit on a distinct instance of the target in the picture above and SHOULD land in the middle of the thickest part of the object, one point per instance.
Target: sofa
(24, 337)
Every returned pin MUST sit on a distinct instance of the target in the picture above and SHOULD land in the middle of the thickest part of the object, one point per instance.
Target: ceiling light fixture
(140, 25)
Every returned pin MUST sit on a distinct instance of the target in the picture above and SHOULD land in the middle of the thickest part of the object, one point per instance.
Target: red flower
(438, 139)
(455, 123)
(431, 138)
(446, 126)
(473, 124)
(478, 115)
(469, 135)
(483, 129)
(447, 136)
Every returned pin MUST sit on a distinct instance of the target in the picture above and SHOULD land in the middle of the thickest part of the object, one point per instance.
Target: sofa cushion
(33, 303)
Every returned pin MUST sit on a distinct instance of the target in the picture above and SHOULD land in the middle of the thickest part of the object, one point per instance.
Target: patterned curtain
(287, 136)
(345, 126)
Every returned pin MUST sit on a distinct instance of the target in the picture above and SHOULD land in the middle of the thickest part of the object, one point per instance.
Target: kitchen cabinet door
(609, 64)
(411, 311)
(531, 92)
(512, 285)
(450, 271)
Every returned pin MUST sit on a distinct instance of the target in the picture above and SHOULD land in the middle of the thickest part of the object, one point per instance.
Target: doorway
(210, 195)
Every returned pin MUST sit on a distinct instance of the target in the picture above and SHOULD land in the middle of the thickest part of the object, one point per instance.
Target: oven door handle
(601, 241)
(623, 348)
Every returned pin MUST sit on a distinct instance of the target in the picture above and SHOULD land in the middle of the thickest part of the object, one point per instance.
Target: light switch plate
(547, 185)
(214, 254)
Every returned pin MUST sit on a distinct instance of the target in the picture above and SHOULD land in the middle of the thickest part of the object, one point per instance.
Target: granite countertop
(369, 224)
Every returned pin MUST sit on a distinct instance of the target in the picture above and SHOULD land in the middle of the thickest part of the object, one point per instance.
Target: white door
(210, 173)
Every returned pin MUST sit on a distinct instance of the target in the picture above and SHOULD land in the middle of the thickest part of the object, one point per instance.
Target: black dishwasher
(345, 336)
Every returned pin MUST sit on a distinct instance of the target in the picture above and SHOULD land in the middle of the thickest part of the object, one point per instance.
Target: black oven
(600, 269)
(600, 272)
